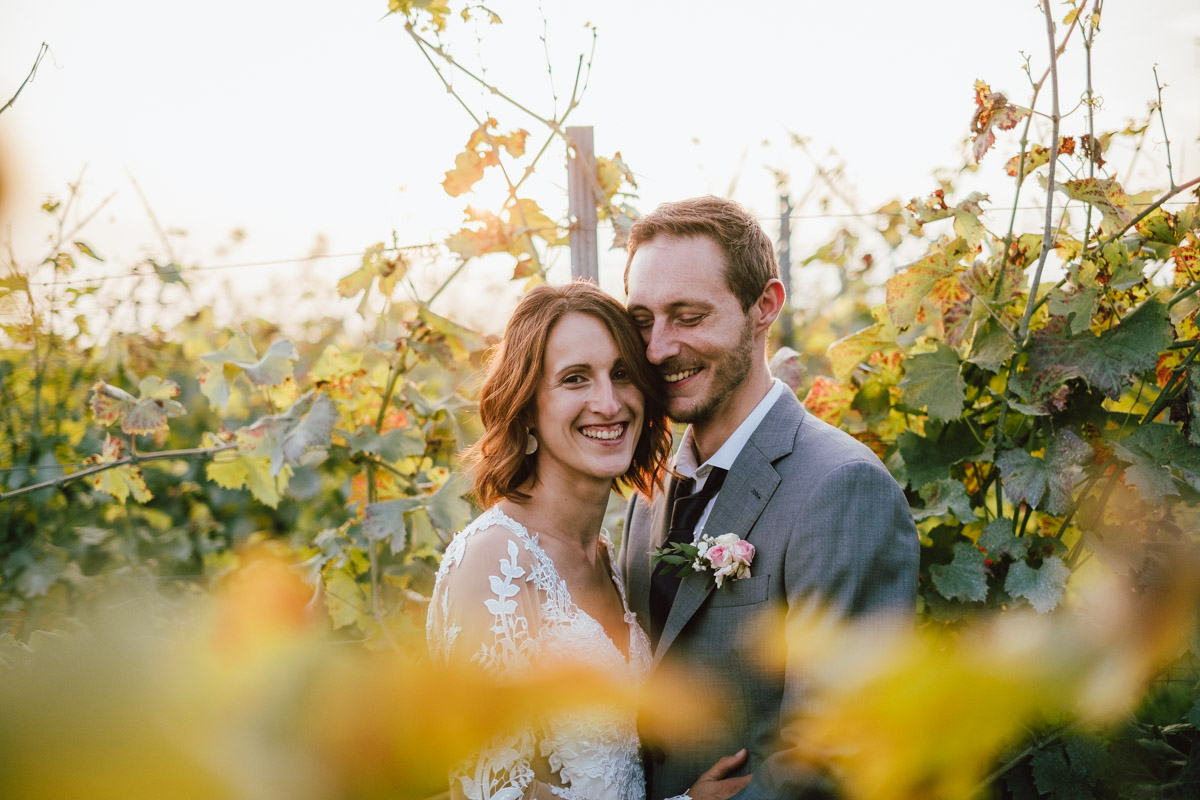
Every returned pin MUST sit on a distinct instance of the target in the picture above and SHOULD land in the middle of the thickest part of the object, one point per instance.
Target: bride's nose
(604, 398)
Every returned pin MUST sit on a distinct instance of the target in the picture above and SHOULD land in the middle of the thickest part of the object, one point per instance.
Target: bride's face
(589, 413)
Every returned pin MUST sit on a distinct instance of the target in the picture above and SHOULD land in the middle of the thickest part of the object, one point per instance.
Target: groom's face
(695, 330)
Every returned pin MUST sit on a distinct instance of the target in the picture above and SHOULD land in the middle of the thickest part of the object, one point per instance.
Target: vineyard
(217, 545)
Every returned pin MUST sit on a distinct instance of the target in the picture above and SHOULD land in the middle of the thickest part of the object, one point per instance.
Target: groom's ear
(768, 306)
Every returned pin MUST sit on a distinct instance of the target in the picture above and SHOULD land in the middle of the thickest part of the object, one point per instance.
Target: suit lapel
(751, 482)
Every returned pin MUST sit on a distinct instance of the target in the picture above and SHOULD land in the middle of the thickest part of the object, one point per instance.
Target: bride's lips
(606, 434)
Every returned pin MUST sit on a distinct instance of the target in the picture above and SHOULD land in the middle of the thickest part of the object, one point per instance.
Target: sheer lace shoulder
(499, 603)
(484, 607)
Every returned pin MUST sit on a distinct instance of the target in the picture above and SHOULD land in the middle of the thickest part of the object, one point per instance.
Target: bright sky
(314, 120)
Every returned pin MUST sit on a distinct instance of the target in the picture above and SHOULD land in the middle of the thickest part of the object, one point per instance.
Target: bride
(568, 406)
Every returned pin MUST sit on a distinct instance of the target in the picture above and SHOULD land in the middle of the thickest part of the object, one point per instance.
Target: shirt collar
(685, 457)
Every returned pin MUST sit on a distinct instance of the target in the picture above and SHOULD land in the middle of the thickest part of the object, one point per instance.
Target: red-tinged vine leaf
(110, 403)
(384, 522)
(993, 111)
(920, 211)
(964, 578)
(848, 352)
(1035, 156)
(787, 366)
(829, 399)
(998, 540)
(376, 265)
(934, 380)
(1187, 261)
(120, 481)
(145, 414)
(1107, 362)
(935, 274)
(1106, 196)
(943, 498)
(1043, 587)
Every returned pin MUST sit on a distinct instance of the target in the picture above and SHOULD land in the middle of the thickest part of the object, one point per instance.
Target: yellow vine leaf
(1187, 260)
(1105, 195)
(848, 352)
(121, 481)
(233, 470)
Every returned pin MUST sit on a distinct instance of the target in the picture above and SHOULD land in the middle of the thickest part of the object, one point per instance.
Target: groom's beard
(725, 376)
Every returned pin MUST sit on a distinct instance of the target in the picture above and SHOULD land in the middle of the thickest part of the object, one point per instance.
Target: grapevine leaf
(335, 365)
(314, 431)
(154, 406)
(1193, 716)
(1035, 156)
(120, 481)
(446, 507)
(274, 367)
(1043, 587)
(110, 403)
(964, 578)
(233, 469)
(84, 248)
(385, 521)
(1193, 374)
(993, 111)
(1152, 451)
(1108, 361)
(848, 352)
(929, 459)
(1187, 260)
(1105, 195)
(345, 599)
(991, 347)
(215, 379)
(421, 533)
(907, 290)
(998, 540)
(1076, 307)
(829, 400)
(391, 446)
(1024, 475)
(933, 380)
(945, 497)
(40, 573)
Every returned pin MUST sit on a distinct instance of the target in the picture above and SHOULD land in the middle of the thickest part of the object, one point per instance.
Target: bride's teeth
(606, 433)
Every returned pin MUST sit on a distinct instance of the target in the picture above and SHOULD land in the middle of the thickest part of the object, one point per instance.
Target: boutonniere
(727, 556)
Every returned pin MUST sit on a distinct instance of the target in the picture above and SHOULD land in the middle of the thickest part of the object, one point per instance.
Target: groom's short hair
(749, 254)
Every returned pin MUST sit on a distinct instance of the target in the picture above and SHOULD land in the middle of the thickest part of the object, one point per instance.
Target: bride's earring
(531, 444)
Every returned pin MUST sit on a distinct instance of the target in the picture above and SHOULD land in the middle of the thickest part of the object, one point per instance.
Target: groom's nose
(661, 344)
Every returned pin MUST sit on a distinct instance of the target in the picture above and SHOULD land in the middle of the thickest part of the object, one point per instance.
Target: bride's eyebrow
(572, 368)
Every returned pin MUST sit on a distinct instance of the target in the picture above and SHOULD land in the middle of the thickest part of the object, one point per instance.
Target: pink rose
(719, 555)
(742, 552)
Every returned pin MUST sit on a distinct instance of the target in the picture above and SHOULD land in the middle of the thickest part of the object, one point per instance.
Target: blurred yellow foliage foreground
(244, 694)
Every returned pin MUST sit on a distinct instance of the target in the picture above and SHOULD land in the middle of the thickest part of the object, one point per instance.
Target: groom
(831, 528)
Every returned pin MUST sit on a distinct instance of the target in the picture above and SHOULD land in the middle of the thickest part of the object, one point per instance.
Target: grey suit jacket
(830, 527)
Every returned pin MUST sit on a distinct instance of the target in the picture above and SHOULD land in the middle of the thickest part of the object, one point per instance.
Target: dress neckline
(531, 542)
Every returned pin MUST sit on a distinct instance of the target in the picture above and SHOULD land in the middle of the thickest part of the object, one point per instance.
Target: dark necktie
(685, 513)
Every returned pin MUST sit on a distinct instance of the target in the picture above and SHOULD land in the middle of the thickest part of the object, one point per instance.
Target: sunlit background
(235, 133)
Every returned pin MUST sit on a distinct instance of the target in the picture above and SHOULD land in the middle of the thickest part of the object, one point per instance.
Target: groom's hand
(714, 785)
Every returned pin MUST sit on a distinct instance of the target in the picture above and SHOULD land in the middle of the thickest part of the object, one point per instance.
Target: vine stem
(1150, 209)
(162, 455)
(45, 48)
(1048, 233)
(1163, 121)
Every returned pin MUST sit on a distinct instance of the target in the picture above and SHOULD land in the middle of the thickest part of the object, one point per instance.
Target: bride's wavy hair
(507, 399)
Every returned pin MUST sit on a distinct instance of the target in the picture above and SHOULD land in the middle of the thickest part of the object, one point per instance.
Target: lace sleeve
(485, 611)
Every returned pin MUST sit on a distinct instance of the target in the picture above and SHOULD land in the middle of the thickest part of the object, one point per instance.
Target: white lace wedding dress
(500, 601)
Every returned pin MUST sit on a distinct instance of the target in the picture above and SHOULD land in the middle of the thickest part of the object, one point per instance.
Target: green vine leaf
(1152, 451)
(930, 459)
(385, 522)
(934, 380)
(1043, 587)
(946, 497)
(965, 577)
(998, 540)
(1109, 361)
(239, 356)
(145, 414)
